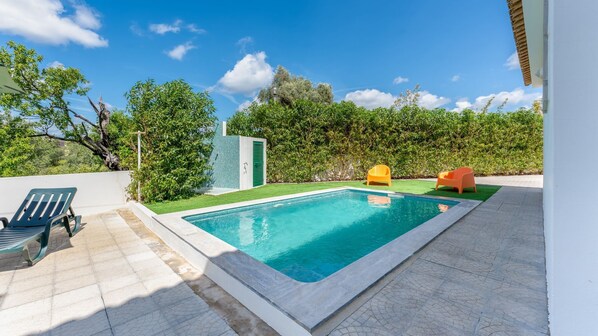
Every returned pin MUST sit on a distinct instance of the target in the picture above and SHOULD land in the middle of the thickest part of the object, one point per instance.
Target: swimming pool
(304, 262)
(309, 238)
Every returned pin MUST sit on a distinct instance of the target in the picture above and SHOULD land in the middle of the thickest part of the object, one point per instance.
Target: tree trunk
(101, 148)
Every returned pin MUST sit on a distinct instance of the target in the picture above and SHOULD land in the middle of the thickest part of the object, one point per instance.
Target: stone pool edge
(289, 306)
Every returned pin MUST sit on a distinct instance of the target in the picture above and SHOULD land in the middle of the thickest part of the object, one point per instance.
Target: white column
(571, 162)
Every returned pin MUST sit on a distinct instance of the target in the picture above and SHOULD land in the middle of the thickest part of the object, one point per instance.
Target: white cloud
(163, 28)
(87, 17)
(400, 80)
(431, 101)
(244, 105)
(455, 78)
(180, 51)
(43, 21)
(461, 105)
(192, 27)
(243, 43)
(56, 64)
(512, 62)
(249, 75)
(515, 99)
(370, 98)
(134, 27)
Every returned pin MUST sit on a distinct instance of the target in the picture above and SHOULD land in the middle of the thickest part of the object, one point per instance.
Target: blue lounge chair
(41, 210)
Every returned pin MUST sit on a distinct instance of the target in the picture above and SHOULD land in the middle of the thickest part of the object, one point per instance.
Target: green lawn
(271, 190)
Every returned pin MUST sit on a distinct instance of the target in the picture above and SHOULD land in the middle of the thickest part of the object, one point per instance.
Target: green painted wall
(225, 160)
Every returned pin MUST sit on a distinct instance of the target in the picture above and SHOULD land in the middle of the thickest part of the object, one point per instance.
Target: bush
(321, 142)
(178, 125)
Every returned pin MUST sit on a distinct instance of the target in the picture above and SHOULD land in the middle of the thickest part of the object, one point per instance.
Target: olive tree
(45, 102)
(286, 89)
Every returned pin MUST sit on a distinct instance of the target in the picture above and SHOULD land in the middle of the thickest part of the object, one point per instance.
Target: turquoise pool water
(309, 238)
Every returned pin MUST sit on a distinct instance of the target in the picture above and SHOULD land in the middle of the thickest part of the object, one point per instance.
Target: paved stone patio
(103, 281)
(484, 276)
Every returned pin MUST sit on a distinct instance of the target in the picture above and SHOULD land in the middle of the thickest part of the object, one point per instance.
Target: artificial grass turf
(271, 190)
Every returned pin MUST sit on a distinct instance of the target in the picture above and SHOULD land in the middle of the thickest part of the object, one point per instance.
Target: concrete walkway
(103, 281)
(484, 276)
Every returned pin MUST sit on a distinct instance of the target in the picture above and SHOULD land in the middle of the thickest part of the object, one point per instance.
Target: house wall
(96, 192)
(225, 160)
(571, 159)
(246, 161)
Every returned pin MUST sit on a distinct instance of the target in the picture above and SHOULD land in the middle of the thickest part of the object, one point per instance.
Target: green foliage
(21, 154)
(16, 149)
(45, 89)
(178, 125)
(286, 89)
(44, 100)
(340, 141)
(52, 157)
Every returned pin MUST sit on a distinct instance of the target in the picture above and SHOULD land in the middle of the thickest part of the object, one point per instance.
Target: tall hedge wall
(340, 141)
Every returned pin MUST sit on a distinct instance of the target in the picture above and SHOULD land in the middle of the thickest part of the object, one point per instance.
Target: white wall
(246, 161)
(571, 160)
(96, 192)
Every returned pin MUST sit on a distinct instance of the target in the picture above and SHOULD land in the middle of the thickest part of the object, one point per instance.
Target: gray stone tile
(490, 278)
(80, 310)
(96, 324)
(130, 310)
(148, 324)
(27, 284)
(122, 295)
(166, 297)
(428, 327)
(111, 284)
(105, 332)
(68, 298)
(361, 330)
(73, 274)
(491, 326)
(207, 324)
(21, 298)
(531, 316)
(75, 263)
(185, 310)
(74, 283)
(468, 297)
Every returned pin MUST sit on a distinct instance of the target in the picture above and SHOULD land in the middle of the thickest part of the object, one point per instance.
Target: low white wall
(96, 192)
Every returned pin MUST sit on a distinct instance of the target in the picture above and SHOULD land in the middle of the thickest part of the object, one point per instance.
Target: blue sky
(460, 52)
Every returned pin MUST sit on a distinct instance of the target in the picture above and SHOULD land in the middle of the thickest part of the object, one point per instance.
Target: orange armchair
(460, 178)
(380, 174)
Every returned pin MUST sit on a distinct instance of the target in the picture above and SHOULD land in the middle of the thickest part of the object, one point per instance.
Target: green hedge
(340, 141)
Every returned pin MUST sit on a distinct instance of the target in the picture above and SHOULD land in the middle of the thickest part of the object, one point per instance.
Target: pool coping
(283, 300)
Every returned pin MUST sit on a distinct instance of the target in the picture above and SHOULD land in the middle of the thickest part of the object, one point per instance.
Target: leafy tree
(287, 89)
(178, 126)
(45, 101)
(52, 156)
(16, 150)
(21, 154)
(409, 98)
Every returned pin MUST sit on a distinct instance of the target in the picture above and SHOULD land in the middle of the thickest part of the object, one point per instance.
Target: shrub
(178, 124)
(341, 141)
